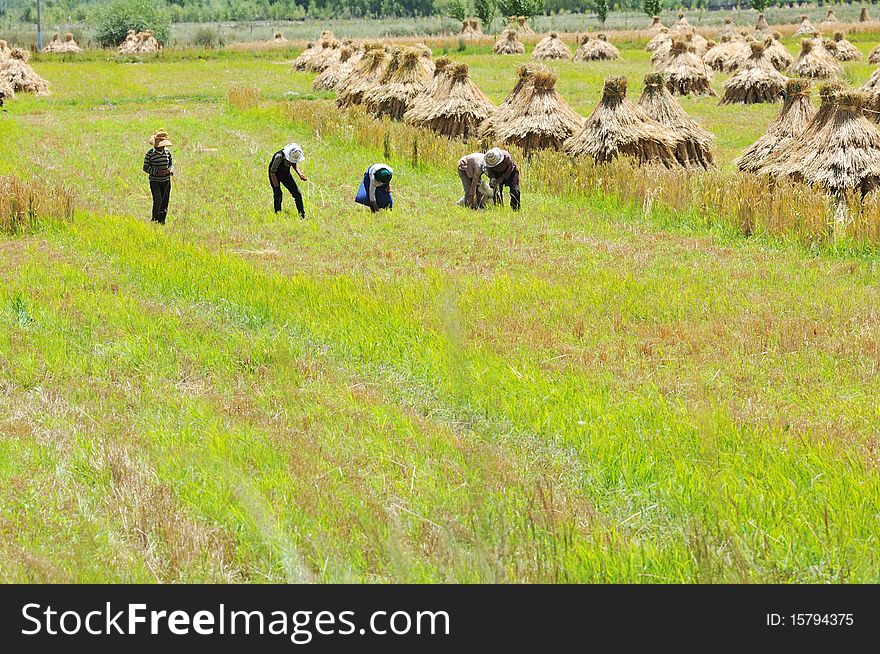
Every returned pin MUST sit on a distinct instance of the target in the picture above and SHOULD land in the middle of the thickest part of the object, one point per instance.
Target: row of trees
(67, 11)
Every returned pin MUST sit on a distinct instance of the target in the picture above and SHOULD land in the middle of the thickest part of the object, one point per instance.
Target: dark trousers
(287, 180)
(512, 183)
(161, 192)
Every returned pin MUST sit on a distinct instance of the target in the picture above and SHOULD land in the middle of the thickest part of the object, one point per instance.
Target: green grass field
(581, 392)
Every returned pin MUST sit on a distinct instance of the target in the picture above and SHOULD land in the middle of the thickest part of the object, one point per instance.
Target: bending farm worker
(159, 165)
(501, 171)
(470, 171)
(279, 173)
(375, 190)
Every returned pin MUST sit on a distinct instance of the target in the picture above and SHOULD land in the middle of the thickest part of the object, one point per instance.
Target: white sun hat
(293, 153)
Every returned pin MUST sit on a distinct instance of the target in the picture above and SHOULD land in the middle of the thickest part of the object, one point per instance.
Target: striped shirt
(155, 163)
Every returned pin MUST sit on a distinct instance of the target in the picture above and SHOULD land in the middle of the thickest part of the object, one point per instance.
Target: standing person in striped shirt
(159, 165)
(282, 162)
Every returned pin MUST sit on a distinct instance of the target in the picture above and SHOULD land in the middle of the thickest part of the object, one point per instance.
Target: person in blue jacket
(375, 190)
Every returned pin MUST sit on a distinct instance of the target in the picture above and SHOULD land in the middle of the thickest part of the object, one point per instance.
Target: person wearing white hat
(287, 158)
(470, 172)
(502, 171)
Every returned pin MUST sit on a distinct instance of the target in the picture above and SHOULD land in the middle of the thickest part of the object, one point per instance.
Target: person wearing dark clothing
(282, 162)
(502, 171)
(159, 165)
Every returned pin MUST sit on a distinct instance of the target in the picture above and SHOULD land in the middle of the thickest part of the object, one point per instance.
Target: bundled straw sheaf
(17, 76)
(67, 46)
(778, 54)
(815, 62)
(777, 164)
(692, 142)
(539, 117)
(843, 50)
(596, 49)
(551, 47)
(618, 128)
(757, 80)
(334, 74)
(470, 28)
(761, 25)
(453, 106)
(685, 72)
(508, 44)
(789, 124)
(366, 75)
(806, 28)
(846, 150)
(520, 24)
(405, 78)
(655, 27)
(137, 43)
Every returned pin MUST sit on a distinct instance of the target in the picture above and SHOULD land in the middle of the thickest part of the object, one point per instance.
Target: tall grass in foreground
(749, 203)
(26, 205)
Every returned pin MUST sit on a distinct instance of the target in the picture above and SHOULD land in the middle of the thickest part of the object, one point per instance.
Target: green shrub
(114, 20)
(206, 37)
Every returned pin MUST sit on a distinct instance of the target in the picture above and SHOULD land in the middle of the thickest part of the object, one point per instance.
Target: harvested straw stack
(845, 153)
(67, 46)
(506, 110)
(655, 27)
(761, 25)
(863, 16)
(692, 142)
(305, 56)
(685, 72)
(327, 55)
(551, 47)
(5, 51)
(596, 49)
(454, 107)
(778, 54)
(140, 43)
(843, 50)
(755, 81)
(805, 28)
(508, 44)
(470, 28)
(369, 70)
(18, 75)
(871, 89)
(278, 38)
(330, 78)
(681, 25)
(815, 62)
(725, 56)
(393, 97)
(519, 24)
(776, 164)
(618, 128)
(789, 124)
(727, 28)
(661, 37)
(422, 105)
(830, 18)
(539, 118)
(874, 55)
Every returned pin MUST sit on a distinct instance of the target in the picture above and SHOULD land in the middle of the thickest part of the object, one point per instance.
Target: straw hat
(293, 153)
(160, 139)
(494, 157)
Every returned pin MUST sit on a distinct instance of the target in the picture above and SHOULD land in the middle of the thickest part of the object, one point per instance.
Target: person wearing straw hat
(502, 171)
(375, 189)
(159, 165)
(470, 172)
(287, 158)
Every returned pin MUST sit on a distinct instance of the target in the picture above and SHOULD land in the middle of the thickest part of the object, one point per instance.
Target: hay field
(584, 391)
